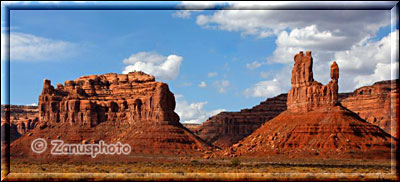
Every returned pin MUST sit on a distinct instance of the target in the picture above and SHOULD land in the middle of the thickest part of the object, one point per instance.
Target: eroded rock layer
(307, 94)
(129, 108)
(315, 125)
(22, 119)
(227, 128)
(378, 104)
(90, 100)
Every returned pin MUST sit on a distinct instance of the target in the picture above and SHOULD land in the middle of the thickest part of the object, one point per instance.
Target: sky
(213, 59)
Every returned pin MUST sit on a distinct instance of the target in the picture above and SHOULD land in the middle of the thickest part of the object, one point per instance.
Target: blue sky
(216, 59)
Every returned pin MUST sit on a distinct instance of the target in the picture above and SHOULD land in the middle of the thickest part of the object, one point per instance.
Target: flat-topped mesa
(90, 100)
(307, 94)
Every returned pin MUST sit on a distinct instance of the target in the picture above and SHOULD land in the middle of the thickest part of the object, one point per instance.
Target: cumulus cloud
(330, 34)
(202, 84)
(27, 47)
(264, 89)
(367, 63)
(212, 74)
(222, 85)
(322, 43)
(162, 67)
(193, 112)
(264, 23)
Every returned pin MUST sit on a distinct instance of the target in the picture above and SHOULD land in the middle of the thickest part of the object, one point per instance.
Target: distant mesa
(315, 124)
(18, 120)
(227, 128)
(378, 104)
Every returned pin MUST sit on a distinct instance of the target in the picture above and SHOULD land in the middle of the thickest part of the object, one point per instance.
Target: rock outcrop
(90, 100)
(227, 128)
(378, 104)
(315, 125)
(129, 108)
(22, 119)
(307, 94)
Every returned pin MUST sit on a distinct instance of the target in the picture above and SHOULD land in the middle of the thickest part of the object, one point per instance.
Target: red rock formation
(22, 119)
(315, 125)
(90, 100)
(307, 94)
(227, 128)
(130, 108)
(378, 104)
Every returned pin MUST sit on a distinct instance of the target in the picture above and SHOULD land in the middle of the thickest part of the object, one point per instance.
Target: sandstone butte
(315, 124)
(378, 104)
(130, 108)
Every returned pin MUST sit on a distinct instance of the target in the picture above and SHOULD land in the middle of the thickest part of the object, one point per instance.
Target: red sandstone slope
(327, 132)
(130, 108)
(315, 124)
(227, 128)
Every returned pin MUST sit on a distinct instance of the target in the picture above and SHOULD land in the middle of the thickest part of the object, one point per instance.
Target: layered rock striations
(315, 124)
(22, 119)
(227, 128)
(90, 100)
(378, 104)
(307, 94)
(129, 108)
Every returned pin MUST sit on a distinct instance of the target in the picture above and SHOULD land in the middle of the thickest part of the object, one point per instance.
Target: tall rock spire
(307, 94)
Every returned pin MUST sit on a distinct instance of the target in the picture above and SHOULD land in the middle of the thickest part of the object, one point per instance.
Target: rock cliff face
(315, 125)
(378, 104)
(307, 94)
(227, 128)
(22, 119)
(129, 108)
(90, 100)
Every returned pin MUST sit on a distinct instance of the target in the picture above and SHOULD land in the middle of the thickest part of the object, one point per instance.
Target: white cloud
(212, 74)
(27, 47)
(202, 84)
(193, 112)
(222, 85)
(367, 63)
(253, 65)
(358, 62)
(263, 23)
(307, 38)
(264, 89)
(162, 67)
(329, 34)
(150, 57)
(33, 104)
(182, 14)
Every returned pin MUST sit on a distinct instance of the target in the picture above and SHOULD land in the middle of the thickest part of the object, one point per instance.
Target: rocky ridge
(227, 128)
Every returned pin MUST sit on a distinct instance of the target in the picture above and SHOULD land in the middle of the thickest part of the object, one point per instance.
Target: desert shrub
(235, 162)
